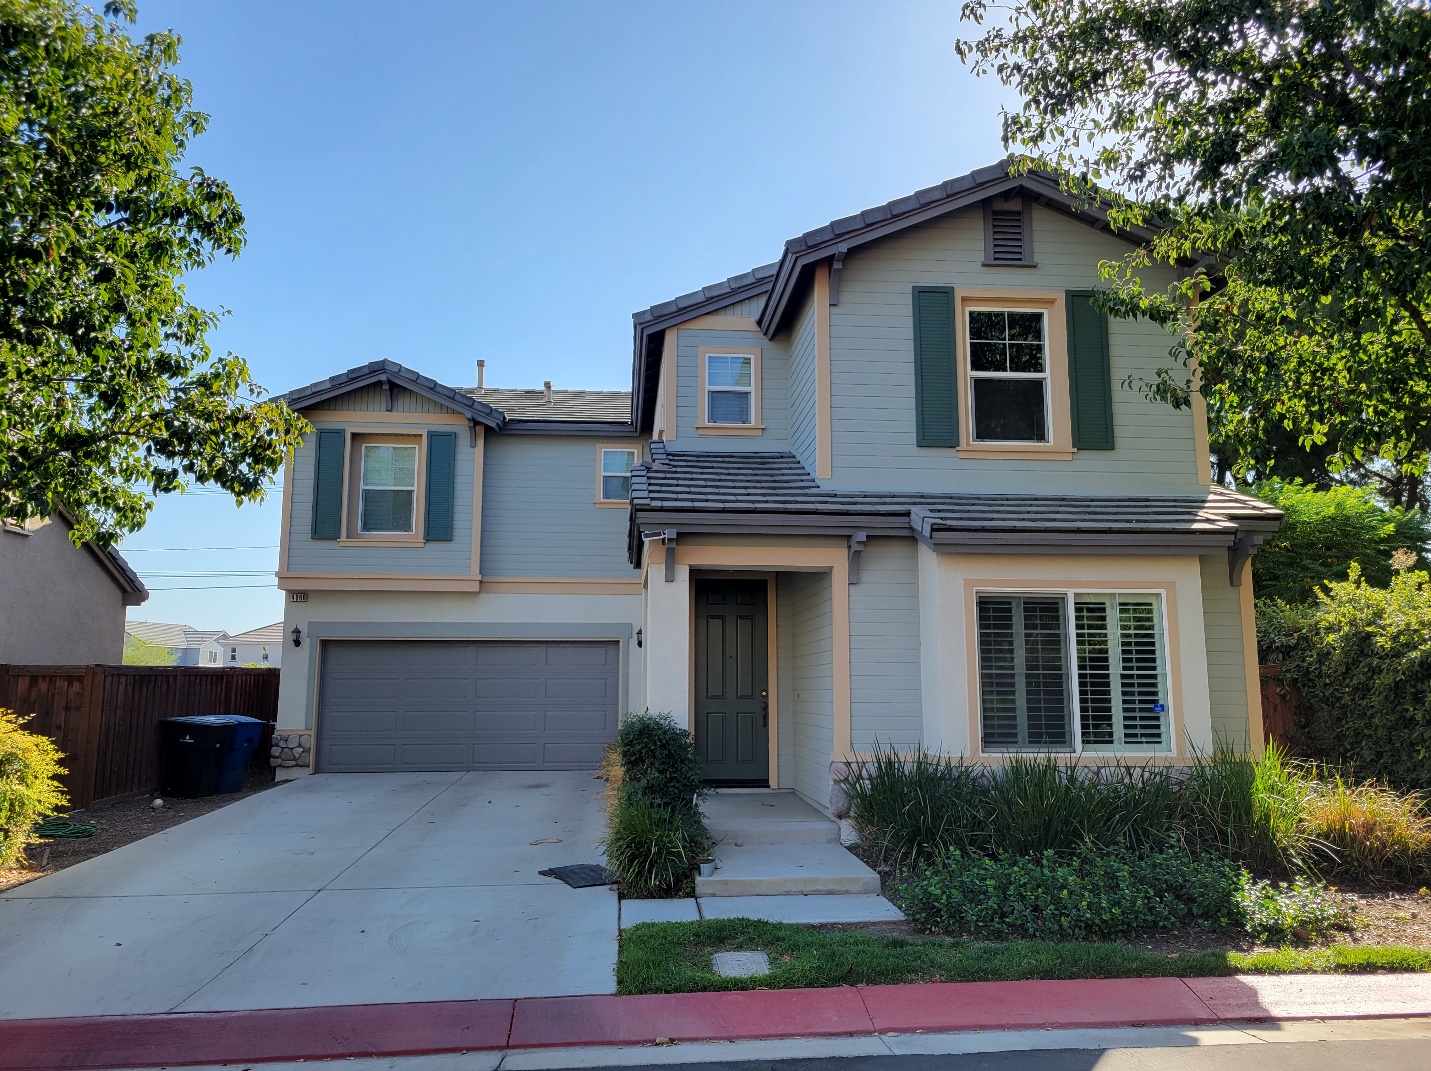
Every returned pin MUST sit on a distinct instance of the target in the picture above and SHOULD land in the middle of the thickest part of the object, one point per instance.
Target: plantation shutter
(1121, 673)
(1024, 697)
(936, 391)
(328, 484)
(441, 478)
(1090, 377)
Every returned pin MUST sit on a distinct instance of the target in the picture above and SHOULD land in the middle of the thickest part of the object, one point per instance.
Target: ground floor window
(1070, 671)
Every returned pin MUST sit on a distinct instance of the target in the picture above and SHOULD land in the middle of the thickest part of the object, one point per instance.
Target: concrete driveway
(332, 889)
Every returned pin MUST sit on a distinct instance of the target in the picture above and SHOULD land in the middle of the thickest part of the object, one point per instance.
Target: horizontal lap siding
(371, 399)
(785, 676)
(774, 391)
(1226, 672)
(813, 700)
(749, 307)
(802, 387)
(539, 517)
(872, 368)
(447, 558)
(884, 647)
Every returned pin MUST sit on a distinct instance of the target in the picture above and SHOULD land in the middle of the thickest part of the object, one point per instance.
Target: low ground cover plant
(655, 830)
(675, 957)
(29, 786)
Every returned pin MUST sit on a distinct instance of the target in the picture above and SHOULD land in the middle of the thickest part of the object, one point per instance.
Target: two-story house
(898, 487)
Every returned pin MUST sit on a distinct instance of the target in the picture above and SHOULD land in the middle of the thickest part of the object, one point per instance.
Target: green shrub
(658, 761)
(1302, 910)
(1371, 832)
(913, 810)
(1361, 661)
(29, 786)
(653, 848)
(1090, 893)
(1325, 534)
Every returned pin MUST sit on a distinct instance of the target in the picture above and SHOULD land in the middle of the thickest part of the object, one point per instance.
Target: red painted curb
(735, 1016)
(1033, 1005)
(179, 1038)
(251, 1036)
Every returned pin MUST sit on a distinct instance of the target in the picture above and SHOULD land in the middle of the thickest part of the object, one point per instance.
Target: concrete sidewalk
(291, 1034)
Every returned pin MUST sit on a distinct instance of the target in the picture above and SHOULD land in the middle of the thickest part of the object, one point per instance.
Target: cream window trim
(1169, 672)
(704, 426)
(602, 450)
(353, 488)
(1060, 443)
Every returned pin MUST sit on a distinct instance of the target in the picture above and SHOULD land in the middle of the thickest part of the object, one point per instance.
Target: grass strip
(675, 957)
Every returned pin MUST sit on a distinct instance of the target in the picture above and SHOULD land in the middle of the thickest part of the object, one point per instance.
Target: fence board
(106, 718)
(1279, 706)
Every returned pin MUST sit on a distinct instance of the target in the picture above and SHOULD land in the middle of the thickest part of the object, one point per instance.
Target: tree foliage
(140, 652)
(1279, 151)
(109, 392)
(1327, 534)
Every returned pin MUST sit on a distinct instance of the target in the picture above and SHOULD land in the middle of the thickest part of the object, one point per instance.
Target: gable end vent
(1008, 237)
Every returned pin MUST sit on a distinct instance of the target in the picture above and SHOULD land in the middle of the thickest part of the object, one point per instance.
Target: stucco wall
(58, 606)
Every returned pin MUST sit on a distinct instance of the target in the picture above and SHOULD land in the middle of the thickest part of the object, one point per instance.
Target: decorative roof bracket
(1238, 554)
(387, 394)
(857, 546)
(670, 540)
(837, 265)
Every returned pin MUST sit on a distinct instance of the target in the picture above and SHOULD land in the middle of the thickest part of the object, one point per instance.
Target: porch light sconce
(297, 635)
(638, 637)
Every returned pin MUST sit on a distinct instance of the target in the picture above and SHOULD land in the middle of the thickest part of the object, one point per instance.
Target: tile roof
(745, 284)
(392, 372)
(267, 634)
(166, 634)
(599, 406)
(713, 484)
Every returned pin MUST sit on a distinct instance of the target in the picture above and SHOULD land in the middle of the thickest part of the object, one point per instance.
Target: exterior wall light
(638, 637)
(297, 635)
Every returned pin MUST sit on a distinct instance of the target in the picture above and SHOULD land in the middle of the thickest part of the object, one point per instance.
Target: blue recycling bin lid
(210, 719)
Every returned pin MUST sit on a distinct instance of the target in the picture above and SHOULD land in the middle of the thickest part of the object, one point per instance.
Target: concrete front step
(786, 869)
(741, 817)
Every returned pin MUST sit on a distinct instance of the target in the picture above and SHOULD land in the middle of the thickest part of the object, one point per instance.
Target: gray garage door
(466, 706)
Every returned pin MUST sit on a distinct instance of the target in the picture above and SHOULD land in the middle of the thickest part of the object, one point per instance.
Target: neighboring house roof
(166, 634)
(389, 374)
(699, 491)
(267, 634)
(612, 406)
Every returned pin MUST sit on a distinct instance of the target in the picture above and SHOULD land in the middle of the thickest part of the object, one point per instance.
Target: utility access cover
(740, 964)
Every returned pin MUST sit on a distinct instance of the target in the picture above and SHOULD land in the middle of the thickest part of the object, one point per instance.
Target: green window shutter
(1090, 378)
(328, 484)
(936, 388)
(441, 476)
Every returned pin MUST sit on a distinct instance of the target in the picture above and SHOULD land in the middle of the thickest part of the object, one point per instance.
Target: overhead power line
(212, 587)
(186, 550)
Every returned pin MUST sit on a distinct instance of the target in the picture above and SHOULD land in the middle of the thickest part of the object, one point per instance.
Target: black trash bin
(191, 753)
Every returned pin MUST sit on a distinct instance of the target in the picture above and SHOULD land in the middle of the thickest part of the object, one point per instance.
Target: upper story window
(730, 386)
(1072, 671)
(614, 475)
(1009, 375)
(213, 658)
(388, 502)
(233, 654)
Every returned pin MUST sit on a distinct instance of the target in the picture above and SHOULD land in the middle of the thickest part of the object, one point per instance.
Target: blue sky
(437, 181)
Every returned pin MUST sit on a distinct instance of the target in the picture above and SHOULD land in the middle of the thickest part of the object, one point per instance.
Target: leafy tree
(1281, 147)
(140, 652)
(109, 392)
(1327, 534)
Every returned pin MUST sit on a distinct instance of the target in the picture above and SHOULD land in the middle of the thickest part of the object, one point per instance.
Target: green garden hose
(63, 829)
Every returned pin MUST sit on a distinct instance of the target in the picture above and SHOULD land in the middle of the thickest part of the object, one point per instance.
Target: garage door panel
(437, 705)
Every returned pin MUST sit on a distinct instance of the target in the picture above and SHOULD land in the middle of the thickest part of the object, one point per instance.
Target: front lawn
(675, 957)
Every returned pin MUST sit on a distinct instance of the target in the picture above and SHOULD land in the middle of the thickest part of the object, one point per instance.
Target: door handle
(764, 714)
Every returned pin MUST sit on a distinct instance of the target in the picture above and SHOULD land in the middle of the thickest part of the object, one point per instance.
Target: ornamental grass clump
(29, 786)
(1372, 832)
(655, 830)
(911, 810)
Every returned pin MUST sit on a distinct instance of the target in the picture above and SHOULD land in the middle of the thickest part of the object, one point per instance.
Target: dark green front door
(732, 687)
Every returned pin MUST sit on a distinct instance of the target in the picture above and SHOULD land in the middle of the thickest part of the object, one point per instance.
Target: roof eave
(397, 375)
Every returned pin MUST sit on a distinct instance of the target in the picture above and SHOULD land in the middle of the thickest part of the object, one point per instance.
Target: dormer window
(730, 382)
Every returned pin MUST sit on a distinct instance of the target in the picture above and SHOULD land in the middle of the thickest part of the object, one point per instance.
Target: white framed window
(1072, 671)
(233, 654)
(387, 500)
(614, 473)
(1009, 393)
(213, 658)
(730, 388)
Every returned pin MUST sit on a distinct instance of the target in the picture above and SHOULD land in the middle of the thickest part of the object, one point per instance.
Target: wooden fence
(1279, 706)
(106, 718)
